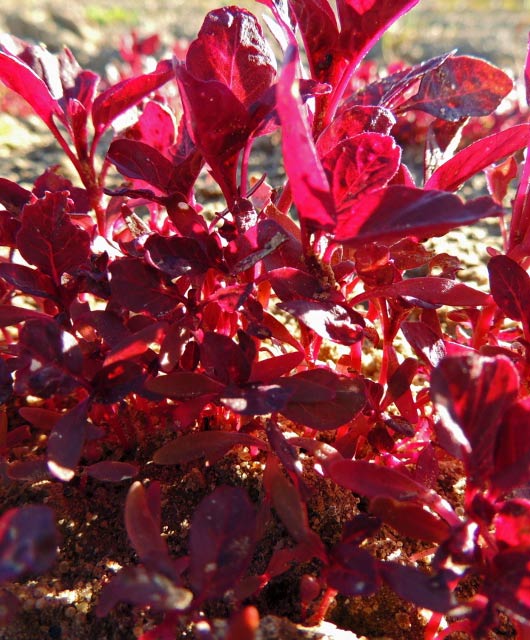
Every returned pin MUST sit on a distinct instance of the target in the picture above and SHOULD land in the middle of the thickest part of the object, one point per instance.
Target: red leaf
(148, 293)
(230, 48)
(426, 344)
(310, 188)
(255, 399)
(127, 93)
(364, 22)
(477, 156)
(221, 541)
(471, 394)
(137, 160)
(223, 359)
(320, 33)
(323, 400)
(181, 385)
(112, 471)
(137, 343)
(510, 288)
(410, 520)
(177, 256)
(28, 541)
(333, 321)
(48, 238)
(430, 290)
(115, 381)
(512, 524)
(66, 441)
(359, 165)
(289, 283)
(351, 121)
(10, 315)
(397, 211)
(143, 527)
(461, 86)
(27, 280)
(270, 369)
(211, 445)
(512, 449)
(16, 75)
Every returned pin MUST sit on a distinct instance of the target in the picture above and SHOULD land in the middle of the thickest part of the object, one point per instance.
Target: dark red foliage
(134, 311)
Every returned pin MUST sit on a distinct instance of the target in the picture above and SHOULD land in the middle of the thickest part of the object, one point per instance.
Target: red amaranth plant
(120, 301)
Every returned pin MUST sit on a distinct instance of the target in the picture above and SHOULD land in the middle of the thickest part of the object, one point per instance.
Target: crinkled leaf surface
(231, 49)
(359, 165)
(49, 239)
(461, 86)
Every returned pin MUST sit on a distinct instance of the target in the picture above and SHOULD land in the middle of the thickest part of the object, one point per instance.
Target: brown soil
(60, 605)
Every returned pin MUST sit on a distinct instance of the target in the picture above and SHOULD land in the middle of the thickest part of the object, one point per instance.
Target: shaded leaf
(353, 572)
(510, 288)
(410, 519)
(28, 541)
(426, 344)
(204, 444)
(255, 399)
(182, 385)
(141, 587)
(112, 471)
(137, 343)
(221, 541)
(177, 256)
(66, 441)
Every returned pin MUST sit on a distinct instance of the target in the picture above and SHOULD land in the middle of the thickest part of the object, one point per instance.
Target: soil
(60, 604)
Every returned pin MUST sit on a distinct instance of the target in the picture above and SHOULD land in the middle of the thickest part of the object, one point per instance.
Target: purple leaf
(181, 385)
(289, 283)
(397, 211)
(143, 527)
(221, 541)
(512, 449)
(28, 541)
(410, 519)
(66, 441)
(359, 165)
(335, 322)
(477, 156)
(177, 256)
(148, 293)
(30, 281)
(353, 571)
(510, 288)
(115, 381)
(137, 160)
(211, 445)
(50, 359)
(428, 592)
(10, 315)
(323, 400)
(429, 290)
(223, 359)
(310, 187)
(127, 93)
(255, 399)
(471, 394)
(426, 344)
(112, 471)
(460, 87)
(230, 48)
(141, 587)
(49, 239)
